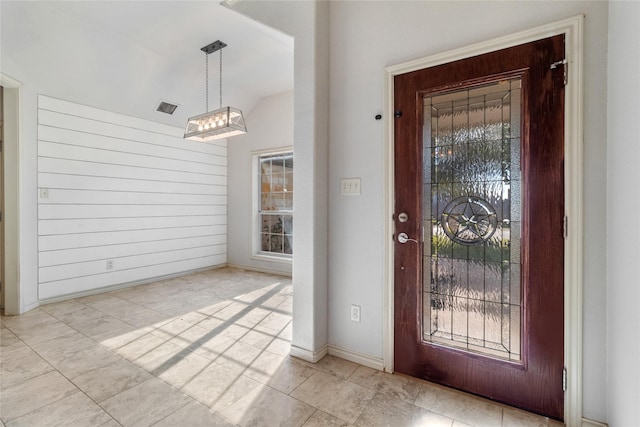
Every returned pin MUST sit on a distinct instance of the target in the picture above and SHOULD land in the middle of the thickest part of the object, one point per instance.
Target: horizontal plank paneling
(129, 198)
(91, 240)
(71, 137)
(119, 188)
(74, 152)
(69, 256)
(125, 211)
(95, 225)
(95, 168)
(77, 182)
(89, 283)
(97, 127)
(91, 268)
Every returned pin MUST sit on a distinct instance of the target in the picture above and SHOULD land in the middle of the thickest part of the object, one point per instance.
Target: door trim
(11, 170)
(572, 28)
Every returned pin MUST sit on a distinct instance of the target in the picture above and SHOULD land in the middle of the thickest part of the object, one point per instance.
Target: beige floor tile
(20, 365)
(219, 386)
(338, 397)
(387, 411)
(143, 317)
(46, 332)
(102, 383)
(115, 341)
(74, 410)
(182, 371)
(392, 386)
(161, 357)
(232, 330)
(279, 346)
(322, 419)
(252, 317)
(72, 362)
(9, 341)
(276, 321)
(102, 327)
(257, 339)
(78, 317)
(264, 406)
(279, 372)
(239, 354)
(145, 404)
(24, 323)
(140, 347)
(335, 366)
(74, 340)
(210, 345)
(194, 415)
(516, 418)
(63, 307)
(34, 393)
(459, 406)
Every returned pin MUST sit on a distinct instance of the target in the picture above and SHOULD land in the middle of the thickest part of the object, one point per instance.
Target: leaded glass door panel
(479, 178)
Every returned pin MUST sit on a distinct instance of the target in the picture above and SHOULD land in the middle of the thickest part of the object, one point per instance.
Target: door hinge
(564, 379)
(565, 67)
(565, 227)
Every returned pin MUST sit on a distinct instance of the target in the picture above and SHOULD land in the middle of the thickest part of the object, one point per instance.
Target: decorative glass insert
(276, 203)
(471, 219)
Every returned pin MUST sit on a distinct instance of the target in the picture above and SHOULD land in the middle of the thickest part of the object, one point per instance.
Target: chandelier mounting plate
(213, 47)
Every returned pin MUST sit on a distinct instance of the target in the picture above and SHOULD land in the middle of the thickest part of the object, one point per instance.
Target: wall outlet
(109, 264)
(350, 186)
(355, 313)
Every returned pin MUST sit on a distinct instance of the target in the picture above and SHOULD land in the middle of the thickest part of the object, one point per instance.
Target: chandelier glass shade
(224, 122)
(221, 123)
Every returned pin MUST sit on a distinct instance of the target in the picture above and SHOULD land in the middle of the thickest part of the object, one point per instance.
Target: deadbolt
(403, 217)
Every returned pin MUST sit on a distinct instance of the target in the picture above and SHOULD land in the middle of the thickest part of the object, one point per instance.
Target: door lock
(403, 217)
(404, 238)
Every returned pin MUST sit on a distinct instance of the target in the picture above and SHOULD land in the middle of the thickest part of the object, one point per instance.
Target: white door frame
(572, 28)
(11, 178)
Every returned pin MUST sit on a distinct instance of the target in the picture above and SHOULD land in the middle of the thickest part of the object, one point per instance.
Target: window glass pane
(276, 203)
(471, 190)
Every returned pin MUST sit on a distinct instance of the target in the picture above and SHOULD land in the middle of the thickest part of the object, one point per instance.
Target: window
(274, 237)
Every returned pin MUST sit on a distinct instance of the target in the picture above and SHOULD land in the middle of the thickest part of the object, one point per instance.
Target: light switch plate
(350, 186)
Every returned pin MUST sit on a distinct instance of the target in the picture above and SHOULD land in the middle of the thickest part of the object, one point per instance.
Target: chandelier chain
(206, 73)
(220, 79)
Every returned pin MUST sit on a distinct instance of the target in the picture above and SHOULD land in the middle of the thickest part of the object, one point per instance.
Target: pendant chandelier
(221, 123)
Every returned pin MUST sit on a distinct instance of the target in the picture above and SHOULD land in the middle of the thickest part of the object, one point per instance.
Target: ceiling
(257, 62)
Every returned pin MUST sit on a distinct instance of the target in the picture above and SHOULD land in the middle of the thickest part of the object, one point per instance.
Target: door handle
(404, 238)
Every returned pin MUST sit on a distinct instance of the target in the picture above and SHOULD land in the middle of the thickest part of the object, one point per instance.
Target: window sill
(272, 258)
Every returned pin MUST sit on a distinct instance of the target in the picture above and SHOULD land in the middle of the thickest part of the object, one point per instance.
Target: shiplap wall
(113, 187)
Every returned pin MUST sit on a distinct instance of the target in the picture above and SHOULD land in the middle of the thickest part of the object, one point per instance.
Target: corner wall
(365, 38)
(270, 127)
(123, 200)
(623, 204)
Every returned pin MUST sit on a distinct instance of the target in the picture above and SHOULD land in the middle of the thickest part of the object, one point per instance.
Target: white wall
(270, 126)
(365, 38)
(308, 22)
(623, 199)
(127, 190)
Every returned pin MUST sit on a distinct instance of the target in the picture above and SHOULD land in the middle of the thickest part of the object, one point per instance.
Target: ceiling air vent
(166, 107)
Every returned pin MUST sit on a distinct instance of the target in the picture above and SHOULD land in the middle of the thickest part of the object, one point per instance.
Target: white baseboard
(260, 270)
(590, 423)
(354, 356)
(308, 355)
(125, 285)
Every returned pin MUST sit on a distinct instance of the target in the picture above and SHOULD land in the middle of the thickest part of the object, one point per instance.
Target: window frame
(256, 225)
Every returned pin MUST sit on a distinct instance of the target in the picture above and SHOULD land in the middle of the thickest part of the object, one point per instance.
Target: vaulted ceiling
(148, 51)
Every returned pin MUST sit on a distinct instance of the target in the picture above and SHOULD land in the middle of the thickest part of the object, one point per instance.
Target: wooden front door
(479, 208)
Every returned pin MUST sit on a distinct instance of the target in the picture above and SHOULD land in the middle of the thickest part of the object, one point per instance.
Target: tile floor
(208, 349)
